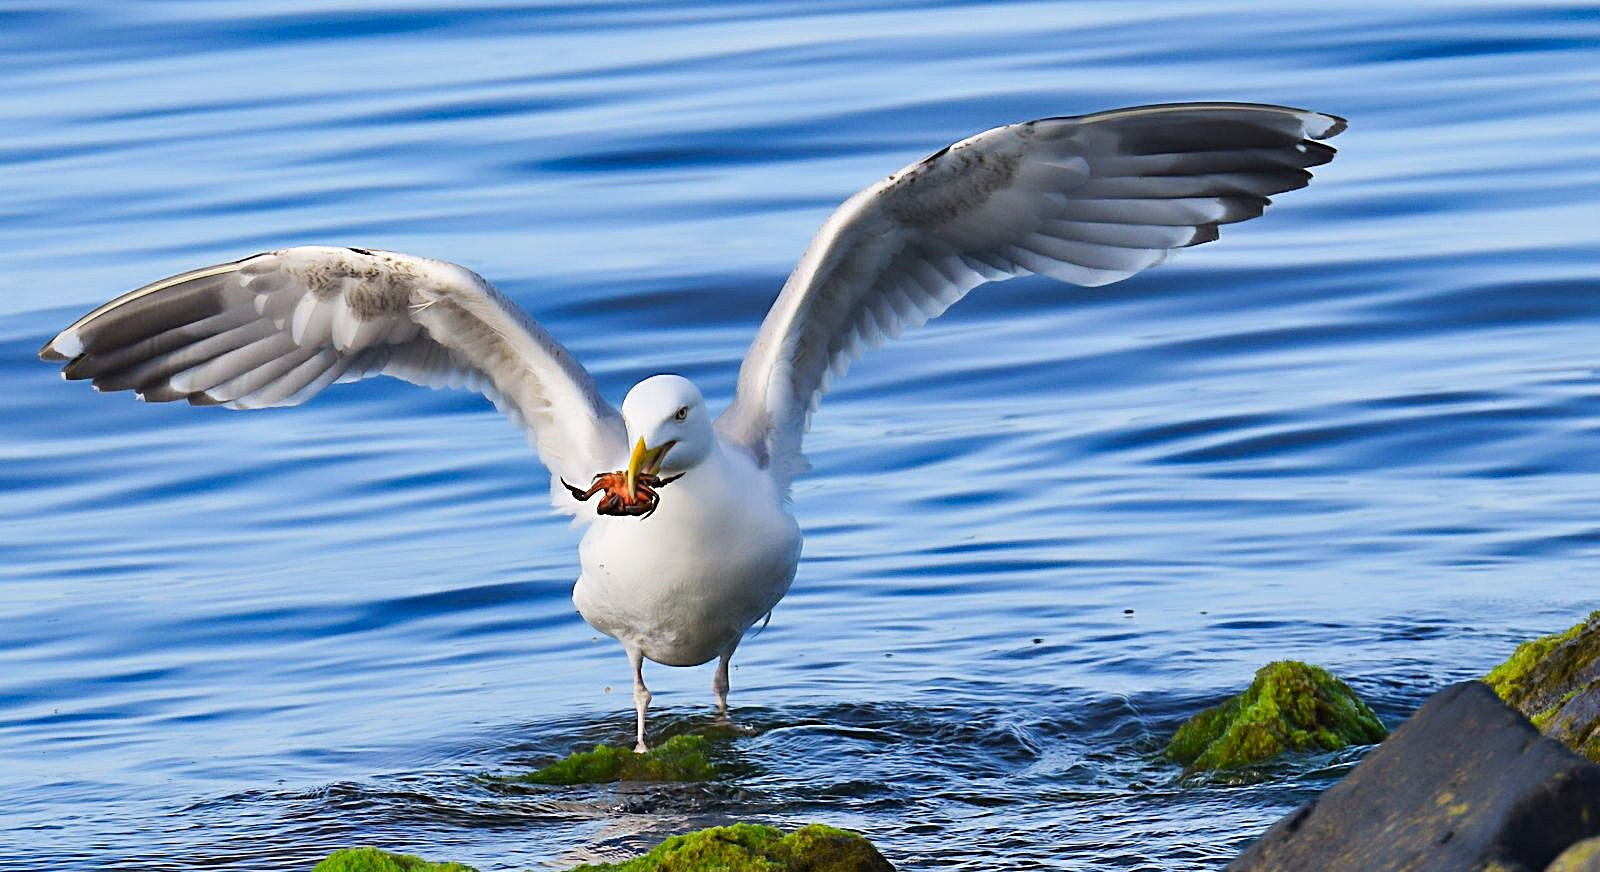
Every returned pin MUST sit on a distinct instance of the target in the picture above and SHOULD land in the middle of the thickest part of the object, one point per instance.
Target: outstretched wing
(277, 328)
(1088, 199)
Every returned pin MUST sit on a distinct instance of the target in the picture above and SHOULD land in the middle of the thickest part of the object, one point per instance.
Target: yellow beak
(645, 460)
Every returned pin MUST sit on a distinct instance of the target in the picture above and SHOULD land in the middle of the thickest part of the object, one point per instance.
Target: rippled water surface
(1360, 431)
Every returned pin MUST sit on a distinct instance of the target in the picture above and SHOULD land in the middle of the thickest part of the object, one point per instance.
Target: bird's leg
(641, 697)
(719, 685)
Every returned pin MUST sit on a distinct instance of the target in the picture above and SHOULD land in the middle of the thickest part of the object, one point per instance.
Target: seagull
(693, 542)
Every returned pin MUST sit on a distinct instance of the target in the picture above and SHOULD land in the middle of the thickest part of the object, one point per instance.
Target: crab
(640, 502)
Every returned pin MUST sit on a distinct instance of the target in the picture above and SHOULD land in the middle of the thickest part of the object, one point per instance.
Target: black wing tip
(160, 393)
(1204, 233)
(78, 369)
(1336, 124)
(1317, 153)
(1339, 125)
(49, 354)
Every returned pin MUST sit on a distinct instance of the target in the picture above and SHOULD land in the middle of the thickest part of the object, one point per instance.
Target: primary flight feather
(690, 542)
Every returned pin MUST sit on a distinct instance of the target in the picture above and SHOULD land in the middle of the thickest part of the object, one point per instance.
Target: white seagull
(690, 541)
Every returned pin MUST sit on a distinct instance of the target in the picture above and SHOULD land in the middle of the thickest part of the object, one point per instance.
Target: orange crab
(631, 491)
(641, 500)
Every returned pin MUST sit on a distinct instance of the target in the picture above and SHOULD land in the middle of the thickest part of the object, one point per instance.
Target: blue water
(1360, 431)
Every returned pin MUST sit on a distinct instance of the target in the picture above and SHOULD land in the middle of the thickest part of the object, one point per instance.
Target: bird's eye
(682, 414)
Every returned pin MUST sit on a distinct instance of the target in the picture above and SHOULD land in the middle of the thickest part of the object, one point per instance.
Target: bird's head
(669, 427)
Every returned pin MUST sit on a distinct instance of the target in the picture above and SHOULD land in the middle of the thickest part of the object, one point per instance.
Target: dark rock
(1465, 784)
(1555, 681)
(1577, 723)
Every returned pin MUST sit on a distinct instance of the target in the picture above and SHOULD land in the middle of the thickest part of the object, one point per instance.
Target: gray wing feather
(1089, 200)
(277, 328)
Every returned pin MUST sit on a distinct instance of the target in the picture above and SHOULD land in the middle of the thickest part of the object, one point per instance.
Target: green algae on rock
(1290, 706)
(375, 860)
(757, 848)
(680, 758)
(1555, 682)
(1581, 856)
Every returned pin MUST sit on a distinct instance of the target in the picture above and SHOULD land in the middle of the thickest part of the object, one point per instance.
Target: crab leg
(583, 496)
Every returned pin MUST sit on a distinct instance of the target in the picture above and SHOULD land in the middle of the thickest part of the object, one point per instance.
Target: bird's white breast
(685, 583)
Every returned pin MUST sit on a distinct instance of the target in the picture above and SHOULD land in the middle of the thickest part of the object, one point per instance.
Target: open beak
(646, 460)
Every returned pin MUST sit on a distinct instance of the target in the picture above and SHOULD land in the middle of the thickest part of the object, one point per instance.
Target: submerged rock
(680, 758)
(1555, 682)
(1465, 784)
(1290, 706)
(375, 860)
(757, 848)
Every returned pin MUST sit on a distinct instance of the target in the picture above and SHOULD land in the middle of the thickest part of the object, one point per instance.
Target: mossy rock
(1291, 706)
(1577, 722)
(680, 758)
(757, 848)
(375, 860)
(1555, 682)
(1581, 856)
